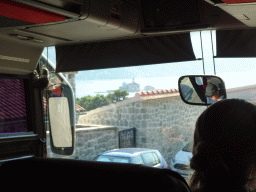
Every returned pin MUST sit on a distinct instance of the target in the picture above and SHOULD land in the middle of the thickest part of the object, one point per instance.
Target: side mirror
(59, 111)
(201, 89)
(62, 118)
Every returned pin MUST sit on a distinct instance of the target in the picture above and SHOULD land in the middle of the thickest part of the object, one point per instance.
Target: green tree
(99, 101)
(117, 94)
(78, 101)
(92, 102)
(87, 103)
(124, 93)
(110, 98)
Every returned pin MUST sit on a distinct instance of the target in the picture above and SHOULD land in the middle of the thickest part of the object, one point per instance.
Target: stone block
(131, 124)
(107, 122)
(130, 110)
(113, 121)
(125, 123)
(143, 140)
(143, 110)
(144, 124)
(145, 116)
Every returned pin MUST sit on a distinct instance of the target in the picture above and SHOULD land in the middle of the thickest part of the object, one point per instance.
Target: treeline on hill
(92, 102)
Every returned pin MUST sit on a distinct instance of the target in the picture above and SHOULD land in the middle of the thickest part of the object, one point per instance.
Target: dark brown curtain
(122, 53)
(236, 43)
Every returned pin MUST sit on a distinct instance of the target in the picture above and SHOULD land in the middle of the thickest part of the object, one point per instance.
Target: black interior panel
(63, 174)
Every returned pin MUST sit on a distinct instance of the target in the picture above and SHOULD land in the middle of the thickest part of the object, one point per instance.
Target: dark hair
(224, 147)
(210, 90)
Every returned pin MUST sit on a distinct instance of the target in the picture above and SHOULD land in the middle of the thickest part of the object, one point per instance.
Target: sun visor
(236, 43)
(123, 53)
(18, 57)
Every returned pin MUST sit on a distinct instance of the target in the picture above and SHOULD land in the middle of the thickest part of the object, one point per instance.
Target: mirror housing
(201, 89)
(62, 120)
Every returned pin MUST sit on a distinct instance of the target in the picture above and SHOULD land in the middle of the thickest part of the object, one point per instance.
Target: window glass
(237, 73)
(239, 78)
(149, 159)
(13, 113)
(54, 87)
(137, 160)
(156, 159)
(106, 158)
(187, 148)
(50, 53)
(111, 101)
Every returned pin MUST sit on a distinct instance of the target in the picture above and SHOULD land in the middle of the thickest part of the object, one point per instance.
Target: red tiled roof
(79, 108)
(139, 97)
(158, 94)
(146, 95)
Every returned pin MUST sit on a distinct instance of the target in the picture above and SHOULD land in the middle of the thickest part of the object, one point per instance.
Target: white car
(180, 162)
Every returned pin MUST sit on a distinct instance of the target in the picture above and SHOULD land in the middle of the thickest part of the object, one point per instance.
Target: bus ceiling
(35, 24)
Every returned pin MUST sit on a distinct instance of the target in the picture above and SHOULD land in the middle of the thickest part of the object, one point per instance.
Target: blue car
(148, 157)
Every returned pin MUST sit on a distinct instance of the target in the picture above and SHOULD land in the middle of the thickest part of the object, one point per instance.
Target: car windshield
(106, 158)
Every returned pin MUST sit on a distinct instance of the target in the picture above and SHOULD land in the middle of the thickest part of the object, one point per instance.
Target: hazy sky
(234, 72)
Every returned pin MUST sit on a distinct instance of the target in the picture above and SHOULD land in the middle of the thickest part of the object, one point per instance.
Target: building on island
(130, 87)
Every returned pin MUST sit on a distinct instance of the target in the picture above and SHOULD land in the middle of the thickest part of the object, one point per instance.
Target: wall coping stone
(98, 128)
(88, 128)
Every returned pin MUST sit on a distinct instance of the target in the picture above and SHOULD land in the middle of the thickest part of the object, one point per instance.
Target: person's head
(224, 148)
(216, 96)
(212, 92)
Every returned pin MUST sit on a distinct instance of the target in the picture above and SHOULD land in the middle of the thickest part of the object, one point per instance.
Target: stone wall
(165, 124)
(90, 142)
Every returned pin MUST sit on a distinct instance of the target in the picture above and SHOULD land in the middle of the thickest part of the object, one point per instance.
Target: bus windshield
(140, 107)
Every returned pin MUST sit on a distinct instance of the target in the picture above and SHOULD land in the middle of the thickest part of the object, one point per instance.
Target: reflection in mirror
(201, 90)
(60, 122)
